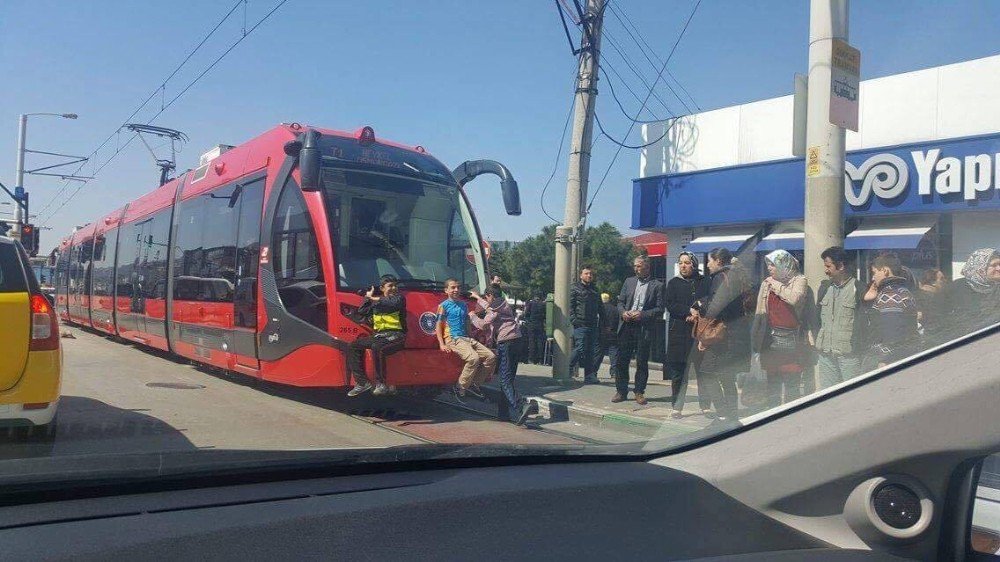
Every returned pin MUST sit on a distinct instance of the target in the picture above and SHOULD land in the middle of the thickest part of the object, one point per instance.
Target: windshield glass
(659, 240)
(417, 230)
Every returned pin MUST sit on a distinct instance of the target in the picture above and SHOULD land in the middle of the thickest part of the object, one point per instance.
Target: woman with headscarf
(682, 292)
(973, 302)
(779, 328)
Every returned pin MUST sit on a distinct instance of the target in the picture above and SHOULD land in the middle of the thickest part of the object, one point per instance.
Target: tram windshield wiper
(429, 283)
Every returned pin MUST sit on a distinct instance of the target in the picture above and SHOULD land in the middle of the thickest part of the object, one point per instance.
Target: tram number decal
(349, 330)
(264, 252)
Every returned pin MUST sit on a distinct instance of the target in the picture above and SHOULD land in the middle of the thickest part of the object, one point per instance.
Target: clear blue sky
(464, 78)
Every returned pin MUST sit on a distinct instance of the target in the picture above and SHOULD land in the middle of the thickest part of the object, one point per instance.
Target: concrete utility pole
(576, 183)
(22, 131)
(824, 211)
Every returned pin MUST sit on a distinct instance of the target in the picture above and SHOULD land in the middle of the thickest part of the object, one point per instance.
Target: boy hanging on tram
(388, 315)
(454, 336)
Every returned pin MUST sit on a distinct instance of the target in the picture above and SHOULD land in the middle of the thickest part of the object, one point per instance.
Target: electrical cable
(650, 61)
(174, 99)
(160, 89)
(606, 65)
(619, 11)
(628, 62)
(555, 165)
(632, 125)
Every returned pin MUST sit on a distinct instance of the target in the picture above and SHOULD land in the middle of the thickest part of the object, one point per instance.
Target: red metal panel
(160, 198)
(311, 365)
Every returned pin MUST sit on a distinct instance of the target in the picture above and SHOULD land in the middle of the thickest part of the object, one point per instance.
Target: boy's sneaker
(475, 390)
(459, 393)
(360, 388)
(380, 389)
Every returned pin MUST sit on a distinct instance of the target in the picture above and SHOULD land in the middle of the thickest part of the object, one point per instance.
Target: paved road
(121, 398)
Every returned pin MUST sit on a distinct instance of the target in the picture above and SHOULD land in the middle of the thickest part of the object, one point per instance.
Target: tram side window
(218, 238)
(83, 272)
(62, 270)
(72, 268)
(104, 263)
(205, 265)
(152, 258)
(297, 268)
(128, 252)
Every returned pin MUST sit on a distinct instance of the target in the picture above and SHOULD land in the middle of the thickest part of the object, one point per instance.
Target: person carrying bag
(779, 329)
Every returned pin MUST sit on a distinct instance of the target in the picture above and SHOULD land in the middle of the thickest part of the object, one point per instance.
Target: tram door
(250, 204)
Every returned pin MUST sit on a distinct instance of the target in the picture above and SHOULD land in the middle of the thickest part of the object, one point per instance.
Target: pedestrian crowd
(787, 340)
(761, 346)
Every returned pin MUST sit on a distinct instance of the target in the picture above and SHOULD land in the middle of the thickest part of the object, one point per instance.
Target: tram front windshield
(417, 229)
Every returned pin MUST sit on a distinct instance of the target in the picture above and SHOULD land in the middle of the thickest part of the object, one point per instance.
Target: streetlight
(22, 132)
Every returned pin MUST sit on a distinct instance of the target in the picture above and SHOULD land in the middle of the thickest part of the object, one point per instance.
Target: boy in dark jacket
(388, 315)
(894, 312)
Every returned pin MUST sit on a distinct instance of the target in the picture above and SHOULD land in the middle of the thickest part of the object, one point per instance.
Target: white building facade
(923, 172)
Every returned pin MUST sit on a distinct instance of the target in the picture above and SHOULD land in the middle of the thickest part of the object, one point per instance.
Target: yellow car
(30, 350)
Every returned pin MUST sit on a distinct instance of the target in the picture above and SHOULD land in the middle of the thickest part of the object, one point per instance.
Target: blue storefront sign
(933, 177)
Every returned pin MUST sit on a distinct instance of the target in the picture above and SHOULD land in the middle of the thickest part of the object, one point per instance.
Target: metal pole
(576, 185)
(824, 210)
(22, 131)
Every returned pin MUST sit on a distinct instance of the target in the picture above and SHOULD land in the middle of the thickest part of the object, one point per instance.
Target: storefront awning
(731, 242)
(885, 238)
(789, 241)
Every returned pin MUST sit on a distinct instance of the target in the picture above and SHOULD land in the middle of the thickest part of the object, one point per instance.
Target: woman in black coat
(973, 301)
(682, 292)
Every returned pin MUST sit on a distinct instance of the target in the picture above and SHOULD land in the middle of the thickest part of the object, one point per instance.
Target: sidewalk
(587, 410)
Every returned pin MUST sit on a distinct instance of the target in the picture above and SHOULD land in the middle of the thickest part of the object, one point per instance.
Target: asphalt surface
(122, 398)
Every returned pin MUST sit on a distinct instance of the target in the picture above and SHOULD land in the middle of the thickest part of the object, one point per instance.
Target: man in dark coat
(640, 306)
(534, 319)
(584, 313)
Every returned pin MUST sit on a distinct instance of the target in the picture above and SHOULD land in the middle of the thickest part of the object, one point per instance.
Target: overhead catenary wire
(175, 98)
(161, 89)
(648, 95)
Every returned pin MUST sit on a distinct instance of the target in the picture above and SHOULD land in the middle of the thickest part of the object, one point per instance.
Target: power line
(644, 45)
(621, 144)
(632, 125)
(160, 89)
(555, 165)
(175, 98)
(631, 66)
(606, 65)
(650, 61)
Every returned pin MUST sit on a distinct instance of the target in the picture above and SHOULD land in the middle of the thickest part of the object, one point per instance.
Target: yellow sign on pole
(812, 162)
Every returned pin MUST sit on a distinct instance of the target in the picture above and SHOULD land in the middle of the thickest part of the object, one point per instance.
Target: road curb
(556, 410)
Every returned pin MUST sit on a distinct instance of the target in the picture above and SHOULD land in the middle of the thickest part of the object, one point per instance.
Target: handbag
(784, 339)
(708, 331)
(754, 391)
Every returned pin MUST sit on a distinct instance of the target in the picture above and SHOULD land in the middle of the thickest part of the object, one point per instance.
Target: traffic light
(29, 239)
